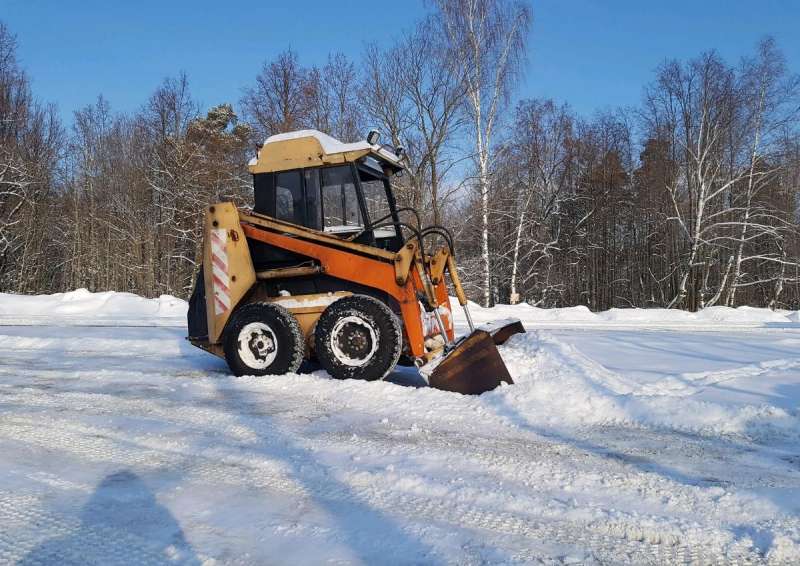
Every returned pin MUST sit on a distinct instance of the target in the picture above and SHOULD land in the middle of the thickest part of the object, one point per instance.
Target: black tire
(358, 337)
(275, 344)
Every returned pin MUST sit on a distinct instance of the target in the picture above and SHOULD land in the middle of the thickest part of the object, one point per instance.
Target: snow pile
(557, 386)
(659, 318)
(84, 307)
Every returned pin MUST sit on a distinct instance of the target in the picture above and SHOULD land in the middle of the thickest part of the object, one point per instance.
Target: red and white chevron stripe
(219, 267)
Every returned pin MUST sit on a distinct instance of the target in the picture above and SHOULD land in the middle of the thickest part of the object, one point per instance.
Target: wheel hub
(356, 340)
(257, 345)
(353, 341)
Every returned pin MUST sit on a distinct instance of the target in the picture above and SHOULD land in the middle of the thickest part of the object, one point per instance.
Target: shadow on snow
(120, 523)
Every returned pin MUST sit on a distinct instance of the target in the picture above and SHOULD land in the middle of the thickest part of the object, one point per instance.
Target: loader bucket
(502, 330)
(474, 365)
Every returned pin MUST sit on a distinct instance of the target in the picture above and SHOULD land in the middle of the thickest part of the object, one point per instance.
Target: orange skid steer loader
(323, 267)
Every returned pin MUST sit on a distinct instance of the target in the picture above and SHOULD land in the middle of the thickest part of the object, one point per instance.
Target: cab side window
(263, 194)
(313, 209)
(289, 197)
(340, 208)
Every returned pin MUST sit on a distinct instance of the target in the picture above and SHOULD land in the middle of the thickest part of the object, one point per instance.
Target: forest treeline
(686, 201)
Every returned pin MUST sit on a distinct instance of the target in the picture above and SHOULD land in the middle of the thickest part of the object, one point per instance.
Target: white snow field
(630, 437)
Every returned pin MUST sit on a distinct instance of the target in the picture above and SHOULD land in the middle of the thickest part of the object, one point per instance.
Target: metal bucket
(473, 365)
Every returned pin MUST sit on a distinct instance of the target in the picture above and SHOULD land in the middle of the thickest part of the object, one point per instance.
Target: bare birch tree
(488, 38)
(541, 154)
(30, 137)
(696, 104)
(770, 102)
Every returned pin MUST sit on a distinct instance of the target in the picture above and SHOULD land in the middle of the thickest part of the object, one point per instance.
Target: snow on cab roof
(330, 147)
(329, 144)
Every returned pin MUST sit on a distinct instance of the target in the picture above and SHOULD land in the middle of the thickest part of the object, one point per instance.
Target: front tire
(358, 337)
(263, 339)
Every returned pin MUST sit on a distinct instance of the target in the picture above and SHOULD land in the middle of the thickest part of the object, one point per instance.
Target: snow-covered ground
(630, 436)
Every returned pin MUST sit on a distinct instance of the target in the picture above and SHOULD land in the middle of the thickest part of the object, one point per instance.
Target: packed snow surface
(630, 436)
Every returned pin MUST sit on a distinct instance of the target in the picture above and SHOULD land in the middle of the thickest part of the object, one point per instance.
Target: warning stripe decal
(217, 262)
(220, 282)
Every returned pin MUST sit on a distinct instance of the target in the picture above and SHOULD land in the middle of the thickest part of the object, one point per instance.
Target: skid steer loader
(323, 267)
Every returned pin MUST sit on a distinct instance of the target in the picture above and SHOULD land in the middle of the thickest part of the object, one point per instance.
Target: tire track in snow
(680, 385)
(603, 539)
(707, 378)
(566, 467)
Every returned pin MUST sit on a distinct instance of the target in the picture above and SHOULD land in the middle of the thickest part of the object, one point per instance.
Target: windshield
(377, 202)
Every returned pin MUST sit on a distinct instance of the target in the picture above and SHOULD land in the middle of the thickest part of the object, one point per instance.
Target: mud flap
(474, 365)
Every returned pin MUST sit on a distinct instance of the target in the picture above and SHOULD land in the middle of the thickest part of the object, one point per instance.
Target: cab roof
(312, 148)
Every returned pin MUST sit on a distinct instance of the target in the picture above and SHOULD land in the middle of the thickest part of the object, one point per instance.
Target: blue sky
(593, 54)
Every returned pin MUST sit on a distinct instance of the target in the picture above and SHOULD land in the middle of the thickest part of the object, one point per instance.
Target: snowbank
(84, 307)
(582, 316)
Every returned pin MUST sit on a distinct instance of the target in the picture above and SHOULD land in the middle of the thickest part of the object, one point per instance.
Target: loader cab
(352, 201)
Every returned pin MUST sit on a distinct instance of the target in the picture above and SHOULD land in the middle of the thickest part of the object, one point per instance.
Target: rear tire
(358, 337)
(263, 339)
